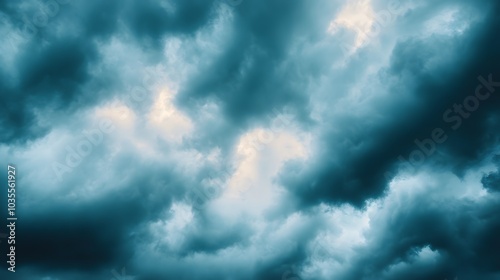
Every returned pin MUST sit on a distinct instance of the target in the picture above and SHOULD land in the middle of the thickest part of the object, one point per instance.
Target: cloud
(252, 140)
(362, 148)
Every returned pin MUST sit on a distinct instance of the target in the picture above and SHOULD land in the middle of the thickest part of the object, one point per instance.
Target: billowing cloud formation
(236, 139)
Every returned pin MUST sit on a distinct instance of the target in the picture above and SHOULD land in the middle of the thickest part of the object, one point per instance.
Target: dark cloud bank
(418, 156)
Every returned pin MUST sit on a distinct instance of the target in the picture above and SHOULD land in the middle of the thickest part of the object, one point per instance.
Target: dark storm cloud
(61, 46)
(92, 236)
(412, 110)
(51, 70)
(462, 232)
(253, 76)
(150, 20)
(215, 236)
(54, 72)
(97, 234)
(491, 181)
(49, 77)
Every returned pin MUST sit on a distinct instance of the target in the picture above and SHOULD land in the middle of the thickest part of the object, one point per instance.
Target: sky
(252, 139)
